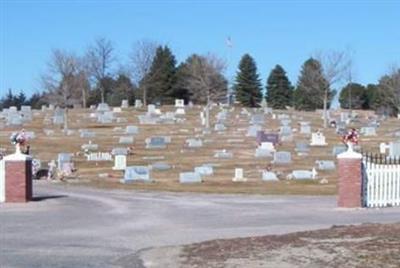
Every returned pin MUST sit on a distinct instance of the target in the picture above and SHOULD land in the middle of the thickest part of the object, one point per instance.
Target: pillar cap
(17, 157)
(349, 154)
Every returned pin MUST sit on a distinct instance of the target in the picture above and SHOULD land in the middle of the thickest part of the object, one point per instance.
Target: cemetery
(174, 134)
(241, 142)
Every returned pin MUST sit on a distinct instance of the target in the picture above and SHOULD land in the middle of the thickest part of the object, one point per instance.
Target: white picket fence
(381, 184)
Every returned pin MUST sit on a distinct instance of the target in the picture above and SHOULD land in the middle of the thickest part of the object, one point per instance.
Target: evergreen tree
(309, 94)
(161, 77)
(248, 86)
(122, 89)
(279, 89)
(353, 96)
(21, 99)
(37, 100)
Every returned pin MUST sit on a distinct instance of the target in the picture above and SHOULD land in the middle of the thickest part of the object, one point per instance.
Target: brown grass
(184, 159)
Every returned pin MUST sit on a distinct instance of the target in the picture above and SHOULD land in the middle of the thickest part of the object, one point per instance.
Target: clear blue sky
(273, 32)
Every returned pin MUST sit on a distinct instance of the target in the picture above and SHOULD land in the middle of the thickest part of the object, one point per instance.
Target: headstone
(63, 158)
(151, 109)
(271, 137)
(239, 177)
(318, 139)
(179, 103)
(204, 170)
(132, 130)
(119, 162)
(125, 104)
(90, 147)
(257, 119)
(282, 157)
(103, 107)
(303, 174)
(87, 134)
(219, 127)
(160, 166)
(261, 153)
(394, 149)
(223, 154)
(156, 143)
(99, 156)
(189, 177)
(269, 176)
(180, 111)
(136, 173)
(105, 117)
(126, 140)
(286, 122)
(267, 146)
(138, 104)
(252, 130)
(117, 110)
(368, 131)
(119, 151)
(148, 120)
(122, 120)
(285, 131)
(325, 165)
(58, 118)
(305, 129)
(383, 147)
(302, 148)
(194, 143)
(338, 149)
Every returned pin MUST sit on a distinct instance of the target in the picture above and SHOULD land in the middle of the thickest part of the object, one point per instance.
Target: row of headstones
(143, 173)
(16, 118)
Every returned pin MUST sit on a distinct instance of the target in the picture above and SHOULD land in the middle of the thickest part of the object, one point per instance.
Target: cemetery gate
(380, 181)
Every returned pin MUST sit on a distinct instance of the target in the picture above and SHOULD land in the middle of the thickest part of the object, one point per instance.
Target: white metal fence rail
(381, 183)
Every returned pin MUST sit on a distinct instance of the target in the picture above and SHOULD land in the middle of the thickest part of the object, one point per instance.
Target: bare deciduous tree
(60, 79)
(141, 59)
(391, 84)
(335, 66)
(99, 59)
(65, 81)
(203, 77)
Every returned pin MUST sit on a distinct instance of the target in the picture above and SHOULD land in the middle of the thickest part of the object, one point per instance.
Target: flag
(229, 42)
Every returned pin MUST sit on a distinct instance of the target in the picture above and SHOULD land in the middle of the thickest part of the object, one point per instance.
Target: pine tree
(353, 96)
(309, 94)
(248, 86)
(161, 77)
(279, 89)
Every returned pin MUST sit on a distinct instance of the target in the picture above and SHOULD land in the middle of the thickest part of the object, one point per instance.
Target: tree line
(154, 76)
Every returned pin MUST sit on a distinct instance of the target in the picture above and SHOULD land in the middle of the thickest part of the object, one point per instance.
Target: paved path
(70, 226)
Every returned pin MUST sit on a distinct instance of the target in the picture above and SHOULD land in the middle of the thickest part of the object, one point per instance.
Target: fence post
(18, 177)
(350, 179)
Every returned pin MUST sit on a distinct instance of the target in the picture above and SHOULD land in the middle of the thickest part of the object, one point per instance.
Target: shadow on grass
(45, 197)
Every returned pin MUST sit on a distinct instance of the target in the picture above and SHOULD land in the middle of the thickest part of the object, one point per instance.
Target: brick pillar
(18, 178)
(350, 180)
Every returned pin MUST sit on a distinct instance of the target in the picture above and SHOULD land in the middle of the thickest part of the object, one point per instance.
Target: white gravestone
(179, 103)
(119, 162)
(239, 175)
(318, 139)
(125, 104)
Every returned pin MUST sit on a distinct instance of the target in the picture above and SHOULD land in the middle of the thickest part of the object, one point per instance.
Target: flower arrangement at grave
(19, 139)
(351, 138)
